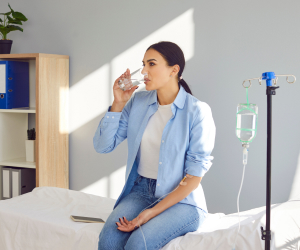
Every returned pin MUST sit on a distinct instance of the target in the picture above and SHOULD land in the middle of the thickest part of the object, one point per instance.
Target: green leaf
(1, 20)
(20, 16)
(7, 13)
(13, 27)
(11, 8)
(15, 21)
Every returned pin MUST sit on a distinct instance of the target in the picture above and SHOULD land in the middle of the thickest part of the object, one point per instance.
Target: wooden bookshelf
(48, 101)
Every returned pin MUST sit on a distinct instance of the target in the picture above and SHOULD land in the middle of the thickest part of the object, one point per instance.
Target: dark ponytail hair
(173, 54)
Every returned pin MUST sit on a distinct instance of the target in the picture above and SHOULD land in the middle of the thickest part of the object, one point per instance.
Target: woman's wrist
(153, 212)
(117, 107)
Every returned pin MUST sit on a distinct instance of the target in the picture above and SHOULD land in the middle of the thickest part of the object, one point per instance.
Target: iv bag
(246, 122)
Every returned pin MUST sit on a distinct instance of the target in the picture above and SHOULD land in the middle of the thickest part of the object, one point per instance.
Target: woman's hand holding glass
(121, 97)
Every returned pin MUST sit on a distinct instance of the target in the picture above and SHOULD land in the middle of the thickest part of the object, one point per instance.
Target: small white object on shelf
(30, 150)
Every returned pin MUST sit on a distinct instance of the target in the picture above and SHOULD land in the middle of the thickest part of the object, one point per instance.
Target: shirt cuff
(196, 170)
(112, 116)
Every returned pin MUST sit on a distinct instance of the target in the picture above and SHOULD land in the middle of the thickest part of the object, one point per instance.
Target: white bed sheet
(219, 230)
(41, 220)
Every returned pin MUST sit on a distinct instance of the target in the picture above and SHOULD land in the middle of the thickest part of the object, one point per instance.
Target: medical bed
(40, 220)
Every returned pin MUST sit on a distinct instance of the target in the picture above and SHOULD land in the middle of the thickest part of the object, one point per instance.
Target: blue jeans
(175, 221)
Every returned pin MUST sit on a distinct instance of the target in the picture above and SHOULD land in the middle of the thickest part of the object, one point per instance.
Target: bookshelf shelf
(18, 162)
(47, 112)
(19, 110)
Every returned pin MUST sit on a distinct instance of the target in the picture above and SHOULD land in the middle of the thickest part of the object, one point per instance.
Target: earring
(170, 75)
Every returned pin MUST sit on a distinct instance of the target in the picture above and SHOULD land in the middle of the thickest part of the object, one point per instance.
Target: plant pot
(30, 150)
(5, 46)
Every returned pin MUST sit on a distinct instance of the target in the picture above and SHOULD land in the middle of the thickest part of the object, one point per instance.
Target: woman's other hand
(128, 226)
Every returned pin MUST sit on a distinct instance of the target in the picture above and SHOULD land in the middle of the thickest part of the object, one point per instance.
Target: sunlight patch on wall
(97, 188)
(116, 182)
(295, 190)
(110, 187)
(89, 97)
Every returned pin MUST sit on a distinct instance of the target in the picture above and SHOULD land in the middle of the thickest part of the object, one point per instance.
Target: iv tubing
(238, 206)
(150, 205)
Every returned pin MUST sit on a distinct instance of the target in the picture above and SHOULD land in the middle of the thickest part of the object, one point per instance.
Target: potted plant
(6, 27)
(30, 145)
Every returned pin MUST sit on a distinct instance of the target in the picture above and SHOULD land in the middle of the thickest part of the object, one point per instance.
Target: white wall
(226, 43)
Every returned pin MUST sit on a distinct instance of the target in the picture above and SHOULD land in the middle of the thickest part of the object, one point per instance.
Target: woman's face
(158, 70)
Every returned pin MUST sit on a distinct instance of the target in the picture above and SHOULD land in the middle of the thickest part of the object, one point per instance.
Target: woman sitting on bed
(170, 135)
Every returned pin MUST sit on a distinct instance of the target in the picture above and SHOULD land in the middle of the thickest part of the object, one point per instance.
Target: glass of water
(135, 78)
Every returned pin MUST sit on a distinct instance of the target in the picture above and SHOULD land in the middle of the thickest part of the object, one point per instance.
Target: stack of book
(17, 181)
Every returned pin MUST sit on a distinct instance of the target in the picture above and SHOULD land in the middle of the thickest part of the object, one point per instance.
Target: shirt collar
(179, 100)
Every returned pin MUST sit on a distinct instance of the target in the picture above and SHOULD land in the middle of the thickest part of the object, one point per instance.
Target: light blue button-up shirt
(186, 144)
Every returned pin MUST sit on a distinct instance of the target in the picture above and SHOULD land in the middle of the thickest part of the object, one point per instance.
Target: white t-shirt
(151, 141)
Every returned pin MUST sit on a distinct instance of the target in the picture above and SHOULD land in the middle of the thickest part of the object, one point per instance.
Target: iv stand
(270, 77)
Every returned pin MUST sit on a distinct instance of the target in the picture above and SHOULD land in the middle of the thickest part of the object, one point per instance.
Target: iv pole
(270, 78)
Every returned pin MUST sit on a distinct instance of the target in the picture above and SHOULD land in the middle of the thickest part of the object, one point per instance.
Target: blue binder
(14, 84)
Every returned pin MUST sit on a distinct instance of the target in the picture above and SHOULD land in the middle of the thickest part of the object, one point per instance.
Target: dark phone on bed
(86, 219)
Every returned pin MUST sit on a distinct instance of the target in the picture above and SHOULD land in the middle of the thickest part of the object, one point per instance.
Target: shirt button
(107, 116)
(112, 117)
(162, 141)
(160, 163)
(157, 184)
